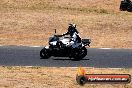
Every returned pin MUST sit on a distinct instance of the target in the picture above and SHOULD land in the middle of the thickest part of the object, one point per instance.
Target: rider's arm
(66, 33)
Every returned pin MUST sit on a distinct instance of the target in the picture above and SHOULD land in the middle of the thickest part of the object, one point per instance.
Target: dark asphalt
(101, 58)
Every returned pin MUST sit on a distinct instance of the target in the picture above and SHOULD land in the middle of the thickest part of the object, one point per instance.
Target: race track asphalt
(100, 58)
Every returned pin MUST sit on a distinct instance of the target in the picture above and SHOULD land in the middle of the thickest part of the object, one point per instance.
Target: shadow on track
(101, 58)
(71, 59)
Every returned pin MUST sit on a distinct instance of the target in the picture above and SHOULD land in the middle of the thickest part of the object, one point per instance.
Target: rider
(71, 29)
(74, 34)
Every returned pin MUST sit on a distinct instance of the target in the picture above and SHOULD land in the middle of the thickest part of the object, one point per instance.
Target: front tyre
(45, 53)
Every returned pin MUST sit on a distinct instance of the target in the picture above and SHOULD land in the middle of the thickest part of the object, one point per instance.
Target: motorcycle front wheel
(45, 53)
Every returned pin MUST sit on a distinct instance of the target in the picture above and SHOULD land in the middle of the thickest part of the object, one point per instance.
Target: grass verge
(53, 77)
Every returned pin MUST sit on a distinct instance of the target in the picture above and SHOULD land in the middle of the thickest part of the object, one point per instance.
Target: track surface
(29, 56)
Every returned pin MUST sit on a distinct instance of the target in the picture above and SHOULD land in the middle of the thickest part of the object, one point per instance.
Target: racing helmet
(72, 25)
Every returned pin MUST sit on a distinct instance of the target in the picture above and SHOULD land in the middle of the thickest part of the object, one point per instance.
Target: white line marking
(33, 46)
(105, 48)
(21, 45)
(29, 66)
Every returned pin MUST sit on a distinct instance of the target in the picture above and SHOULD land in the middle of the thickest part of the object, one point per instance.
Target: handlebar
(58, 35)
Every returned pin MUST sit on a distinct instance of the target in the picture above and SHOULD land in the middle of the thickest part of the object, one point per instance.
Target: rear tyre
(129, 8)
(80, 54)
(45, 53)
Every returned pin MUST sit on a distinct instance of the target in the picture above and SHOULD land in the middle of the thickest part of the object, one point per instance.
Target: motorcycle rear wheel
(80, 54)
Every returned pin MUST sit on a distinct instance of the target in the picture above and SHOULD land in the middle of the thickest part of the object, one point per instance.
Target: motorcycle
(60, 46)
(126, 5)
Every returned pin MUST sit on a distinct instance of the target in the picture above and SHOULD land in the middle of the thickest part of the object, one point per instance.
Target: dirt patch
(53, 77)
(32, 22)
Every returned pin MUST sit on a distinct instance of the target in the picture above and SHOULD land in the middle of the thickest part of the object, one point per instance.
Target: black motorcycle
(59, 46)
(126, 5)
